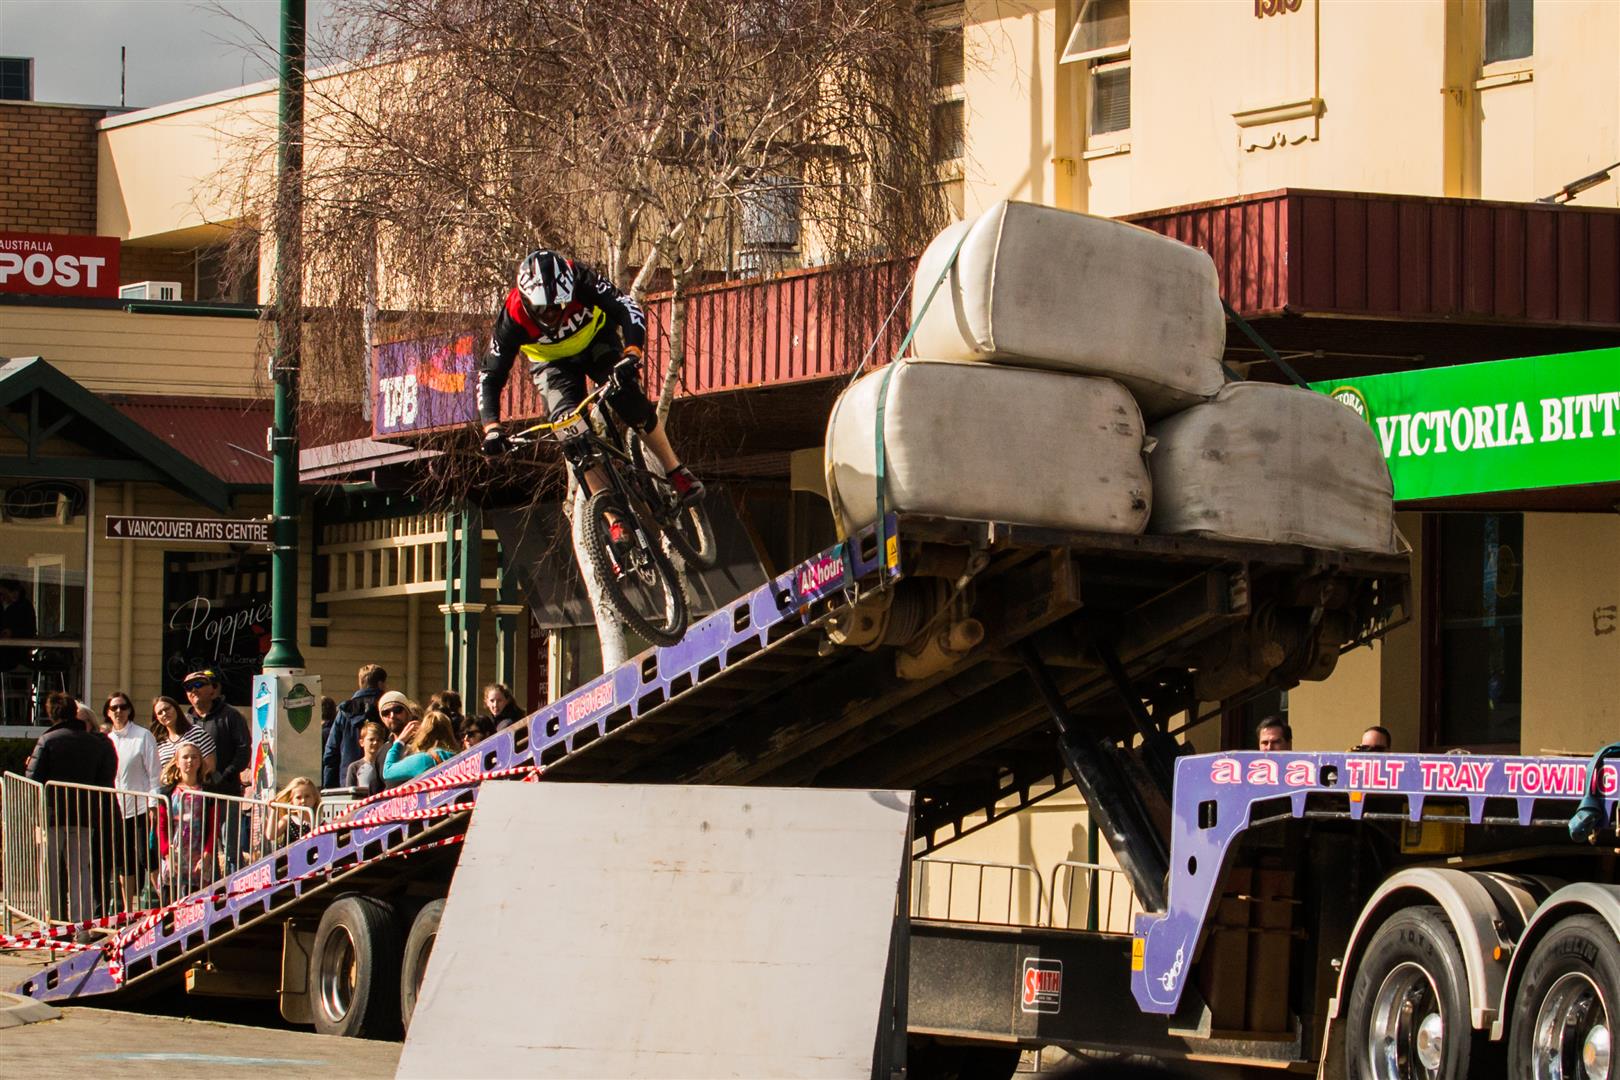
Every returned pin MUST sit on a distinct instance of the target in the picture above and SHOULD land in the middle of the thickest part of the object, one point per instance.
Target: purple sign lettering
(425, 384)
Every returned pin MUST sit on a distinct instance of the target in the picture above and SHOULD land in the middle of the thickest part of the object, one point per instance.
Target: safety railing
(76, 852)
(335, 802)
(1106, 901)
(22, 854)
(961, 890)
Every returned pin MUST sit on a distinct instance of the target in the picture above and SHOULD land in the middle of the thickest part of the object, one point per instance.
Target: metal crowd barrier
(1109, 908)
(22, 854)
(979, 882)
(73, 852)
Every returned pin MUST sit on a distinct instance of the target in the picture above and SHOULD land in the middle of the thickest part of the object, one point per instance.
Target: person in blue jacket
(421, 745)
(342, 747)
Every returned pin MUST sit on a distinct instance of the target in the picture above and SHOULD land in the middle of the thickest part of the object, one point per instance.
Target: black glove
(627, 373)
(494, 443)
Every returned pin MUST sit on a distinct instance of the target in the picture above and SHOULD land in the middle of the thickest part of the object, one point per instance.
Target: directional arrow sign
(189, 530)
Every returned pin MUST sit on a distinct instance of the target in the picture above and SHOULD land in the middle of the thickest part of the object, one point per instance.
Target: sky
(177, 48)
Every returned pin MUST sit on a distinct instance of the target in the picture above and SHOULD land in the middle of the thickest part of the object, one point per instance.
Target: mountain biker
(561, 316)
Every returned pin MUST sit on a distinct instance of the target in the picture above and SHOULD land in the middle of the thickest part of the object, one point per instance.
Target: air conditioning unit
(150, 290)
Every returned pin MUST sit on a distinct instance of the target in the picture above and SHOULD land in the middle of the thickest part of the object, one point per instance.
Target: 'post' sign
(49, 265)
(1506, 425)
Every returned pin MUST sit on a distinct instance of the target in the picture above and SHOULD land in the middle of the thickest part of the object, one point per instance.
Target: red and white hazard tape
(51, 937)
(114, 948)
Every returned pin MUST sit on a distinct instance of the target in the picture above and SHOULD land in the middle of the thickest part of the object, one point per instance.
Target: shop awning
(40, 408)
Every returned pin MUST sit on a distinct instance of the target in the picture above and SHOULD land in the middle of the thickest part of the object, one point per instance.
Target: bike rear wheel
(645, 593)
(687, 527)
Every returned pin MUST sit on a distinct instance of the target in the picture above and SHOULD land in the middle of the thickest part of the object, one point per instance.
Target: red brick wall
(157, 264)
(48, 168)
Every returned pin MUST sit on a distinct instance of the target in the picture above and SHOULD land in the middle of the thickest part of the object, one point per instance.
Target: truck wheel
(418, 945)
(354, 968)
(1561, 1014)
(931, 1060)
(1408, 1017)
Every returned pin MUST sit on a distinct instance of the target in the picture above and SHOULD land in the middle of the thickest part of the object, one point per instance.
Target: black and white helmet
(545, 279)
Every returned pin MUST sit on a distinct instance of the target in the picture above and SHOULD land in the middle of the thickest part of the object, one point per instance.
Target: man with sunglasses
(570, 322)
(232, 745)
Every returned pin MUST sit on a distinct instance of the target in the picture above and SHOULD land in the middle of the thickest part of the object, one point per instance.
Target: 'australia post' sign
(427, 383)
(1508, 425)
(50, 265)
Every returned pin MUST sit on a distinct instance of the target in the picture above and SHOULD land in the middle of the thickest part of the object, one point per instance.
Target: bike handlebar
(520, 438)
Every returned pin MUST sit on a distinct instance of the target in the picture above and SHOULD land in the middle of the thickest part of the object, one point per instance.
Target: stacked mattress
(1067, 374)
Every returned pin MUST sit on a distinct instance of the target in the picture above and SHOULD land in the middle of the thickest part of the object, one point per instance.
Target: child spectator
(286, 826)
(365, 773)
(187, 824)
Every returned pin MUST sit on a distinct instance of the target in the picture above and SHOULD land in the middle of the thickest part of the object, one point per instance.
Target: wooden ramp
(616, 930)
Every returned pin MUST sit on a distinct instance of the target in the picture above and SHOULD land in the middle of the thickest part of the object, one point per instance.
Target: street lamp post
(284, 362)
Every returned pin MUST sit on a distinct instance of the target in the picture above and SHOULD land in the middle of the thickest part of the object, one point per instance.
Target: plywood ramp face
(601, 930)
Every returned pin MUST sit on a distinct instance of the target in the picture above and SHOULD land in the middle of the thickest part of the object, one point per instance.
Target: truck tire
(1408, 1017)
(418, 946)
(354, 969)
(1561, 1019)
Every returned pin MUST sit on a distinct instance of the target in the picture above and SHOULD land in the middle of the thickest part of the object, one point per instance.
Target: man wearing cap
(232, 745)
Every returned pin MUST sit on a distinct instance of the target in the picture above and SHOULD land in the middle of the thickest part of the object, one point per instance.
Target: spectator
(232, 745)
(69, 753)
(188, 825)
(171, 728)
(365, 773)
(449, 703)
(396, 711)
(16, 621)
(1275, 735)
(342, 745)
(137, 773)
(328, 714)
(421, 745)
(286, 826)
(1376, 739)
(502, 709)
(476, 730)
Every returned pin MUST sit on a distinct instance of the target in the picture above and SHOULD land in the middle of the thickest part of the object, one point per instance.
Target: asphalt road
(95, 1042)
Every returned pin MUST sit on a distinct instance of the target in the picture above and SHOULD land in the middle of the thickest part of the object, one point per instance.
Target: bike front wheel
(644, 590)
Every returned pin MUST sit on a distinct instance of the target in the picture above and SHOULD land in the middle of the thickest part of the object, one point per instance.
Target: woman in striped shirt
(171, 728)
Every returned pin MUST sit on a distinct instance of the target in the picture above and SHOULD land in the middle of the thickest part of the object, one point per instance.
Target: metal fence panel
(22, 852)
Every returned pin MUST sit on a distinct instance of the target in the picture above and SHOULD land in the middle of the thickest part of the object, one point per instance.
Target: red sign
(58, 265)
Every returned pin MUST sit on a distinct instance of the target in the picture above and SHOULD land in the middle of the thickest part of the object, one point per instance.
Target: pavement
(89, 1041)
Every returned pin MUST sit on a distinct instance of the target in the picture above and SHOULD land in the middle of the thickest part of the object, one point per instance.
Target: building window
(947, 72)
(1509, 30)
(947, 131)
(1101, 39)
(16, 78)
(1474, 636)
(44, 530)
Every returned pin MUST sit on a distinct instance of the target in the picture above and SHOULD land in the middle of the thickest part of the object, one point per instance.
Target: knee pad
(631, 403)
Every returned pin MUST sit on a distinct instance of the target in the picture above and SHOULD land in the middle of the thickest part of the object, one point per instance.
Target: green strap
(882, 407)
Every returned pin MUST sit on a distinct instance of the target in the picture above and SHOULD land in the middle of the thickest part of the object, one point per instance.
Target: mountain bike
(637, 575)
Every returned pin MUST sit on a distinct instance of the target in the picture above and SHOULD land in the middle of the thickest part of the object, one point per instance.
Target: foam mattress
(1034, 286)
(1272, 463)
(982, 442)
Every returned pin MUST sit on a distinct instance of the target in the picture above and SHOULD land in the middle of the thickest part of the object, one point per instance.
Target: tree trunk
(677, 343)
(610, 630)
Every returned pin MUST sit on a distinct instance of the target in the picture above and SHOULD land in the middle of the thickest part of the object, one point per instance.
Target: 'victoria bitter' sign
(1507, 425)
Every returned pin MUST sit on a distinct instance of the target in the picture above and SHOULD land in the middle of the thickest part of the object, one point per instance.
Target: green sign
(1508, 425)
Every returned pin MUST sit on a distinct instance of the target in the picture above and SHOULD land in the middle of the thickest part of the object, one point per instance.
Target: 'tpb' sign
(58, 265)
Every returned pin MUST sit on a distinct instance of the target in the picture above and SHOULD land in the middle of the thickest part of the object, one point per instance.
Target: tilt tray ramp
(942, 670)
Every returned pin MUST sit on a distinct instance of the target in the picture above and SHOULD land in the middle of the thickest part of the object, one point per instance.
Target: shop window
(43, 538)
(1101, 39)
(1509, 29)
(216, 614)
(1474, 631)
